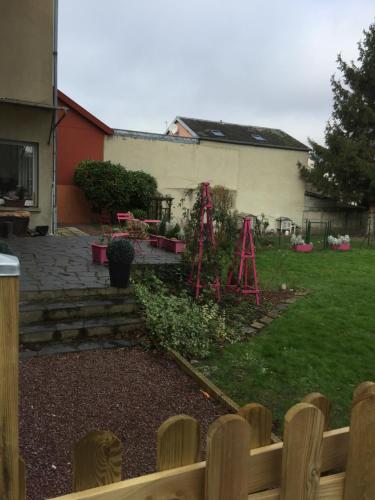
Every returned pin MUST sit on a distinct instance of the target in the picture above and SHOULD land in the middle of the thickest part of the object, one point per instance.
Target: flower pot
(153, 240)
(119, 274)
(162, 243)
(305, 248)
(99, 253)
(344, 247)
(174, 245)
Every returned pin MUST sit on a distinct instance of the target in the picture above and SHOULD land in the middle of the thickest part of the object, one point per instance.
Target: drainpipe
(54, 143)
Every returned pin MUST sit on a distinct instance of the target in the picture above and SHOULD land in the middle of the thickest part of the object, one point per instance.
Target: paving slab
(56, 262)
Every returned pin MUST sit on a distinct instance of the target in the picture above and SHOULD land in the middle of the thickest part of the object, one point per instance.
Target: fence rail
(313, 462)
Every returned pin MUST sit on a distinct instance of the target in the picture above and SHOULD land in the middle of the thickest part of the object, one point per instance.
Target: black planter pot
(119, 274)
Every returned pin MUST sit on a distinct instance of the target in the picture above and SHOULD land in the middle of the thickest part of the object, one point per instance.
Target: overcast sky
(136, 64)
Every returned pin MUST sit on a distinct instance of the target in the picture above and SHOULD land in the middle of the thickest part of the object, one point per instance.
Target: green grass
(324, 342)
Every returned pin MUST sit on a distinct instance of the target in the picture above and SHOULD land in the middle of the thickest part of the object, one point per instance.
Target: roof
(31, 104)
(83, 112)
(150, 136)
(240, 134)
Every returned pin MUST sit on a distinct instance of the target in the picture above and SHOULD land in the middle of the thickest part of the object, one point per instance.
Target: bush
(120, 250)
(179, 322)
(109, 187)
(141, 187)
(104, 185)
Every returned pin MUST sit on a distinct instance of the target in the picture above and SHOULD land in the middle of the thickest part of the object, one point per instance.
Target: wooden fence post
(360, 466)
(363, 391)
(9, 341)
(228, 443)
(177, 442)
(301, 461)
(97, 460)
(260, 420)
(321, 402)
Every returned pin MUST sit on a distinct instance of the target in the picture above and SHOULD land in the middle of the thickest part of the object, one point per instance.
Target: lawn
(324, 342)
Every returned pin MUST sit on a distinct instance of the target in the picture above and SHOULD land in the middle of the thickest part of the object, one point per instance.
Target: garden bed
(127, 391)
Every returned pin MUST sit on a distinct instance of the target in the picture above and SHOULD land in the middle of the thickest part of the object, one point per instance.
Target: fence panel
(228, 443)
(97, 460)
(9, 452)
(178, 442)
(260, 420)
(302, 453)
(360, 468)
(321, 402)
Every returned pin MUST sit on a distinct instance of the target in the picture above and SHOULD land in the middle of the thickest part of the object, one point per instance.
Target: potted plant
(341, 243)
(99, 250)
(299, 245)
(120, 254)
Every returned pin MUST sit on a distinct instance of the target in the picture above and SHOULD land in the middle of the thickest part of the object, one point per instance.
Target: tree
(345, 168)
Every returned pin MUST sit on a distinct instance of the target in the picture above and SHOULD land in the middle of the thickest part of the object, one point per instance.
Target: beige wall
(19, 123)
(265, 180)
(26, 41)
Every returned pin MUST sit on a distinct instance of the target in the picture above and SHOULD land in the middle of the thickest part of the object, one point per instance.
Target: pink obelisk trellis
(244, 252)
(206, 234)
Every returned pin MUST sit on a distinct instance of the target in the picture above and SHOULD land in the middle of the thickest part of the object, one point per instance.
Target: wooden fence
(313, 462)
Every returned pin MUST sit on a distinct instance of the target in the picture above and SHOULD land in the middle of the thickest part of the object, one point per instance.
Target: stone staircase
(79, 315)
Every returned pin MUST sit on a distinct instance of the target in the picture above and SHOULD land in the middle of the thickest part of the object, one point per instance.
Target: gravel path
(127, 391)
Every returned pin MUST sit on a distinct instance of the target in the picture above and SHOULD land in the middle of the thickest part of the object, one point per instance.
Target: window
(18, 173)
(218, 133)
(258, 137)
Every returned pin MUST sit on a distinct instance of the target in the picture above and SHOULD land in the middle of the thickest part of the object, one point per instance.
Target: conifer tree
(345, 167)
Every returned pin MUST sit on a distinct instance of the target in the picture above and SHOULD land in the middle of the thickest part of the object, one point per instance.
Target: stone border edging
(212, 389)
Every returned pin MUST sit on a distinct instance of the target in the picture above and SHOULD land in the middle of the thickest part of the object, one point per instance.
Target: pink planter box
(153, 240)
(344, 247)
(162, 242)
(175, 246)
(306, 248)
(99, 253)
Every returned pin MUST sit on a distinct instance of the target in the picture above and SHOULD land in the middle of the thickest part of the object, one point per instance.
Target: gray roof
(241, 134)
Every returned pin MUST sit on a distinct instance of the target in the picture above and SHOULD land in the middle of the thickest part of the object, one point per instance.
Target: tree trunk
(371, 221)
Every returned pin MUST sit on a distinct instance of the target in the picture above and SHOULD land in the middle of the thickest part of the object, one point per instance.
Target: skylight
(218, 133)
(258, 137)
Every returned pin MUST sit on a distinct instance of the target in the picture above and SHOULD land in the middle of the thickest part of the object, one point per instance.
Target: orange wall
(77, 139)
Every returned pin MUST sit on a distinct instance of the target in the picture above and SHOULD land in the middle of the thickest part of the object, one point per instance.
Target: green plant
(174, 231)
(139, 213)
(110, 187)
(179, 322)
(162, 228)
(120, 250)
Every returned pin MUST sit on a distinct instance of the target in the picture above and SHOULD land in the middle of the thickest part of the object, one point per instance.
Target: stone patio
(57, 262)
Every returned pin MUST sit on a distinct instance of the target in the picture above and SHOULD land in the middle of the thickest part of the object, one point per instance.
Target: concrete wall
(18, 123)
(26, 41)
(264, 179)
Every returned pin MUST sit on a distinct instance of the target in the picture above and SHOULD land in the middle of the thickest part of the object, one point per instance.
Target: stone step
(62, 295)
(114, 327)
(34, 312)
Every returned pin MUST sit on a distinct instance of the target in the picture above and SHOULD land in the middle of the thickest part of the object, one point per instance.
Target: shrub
(139, 213)
(110, 187)
(141, 187)
(179, 322)
(104, 185)
(120, 250)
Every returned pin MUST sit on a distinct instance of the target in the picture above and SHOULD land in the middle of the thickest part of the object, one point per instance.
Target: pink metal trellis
(206, 233)
(245, 251)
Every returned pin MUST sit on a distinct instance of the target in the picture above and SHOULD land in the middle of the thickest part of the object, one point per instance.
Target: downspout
(54, 142)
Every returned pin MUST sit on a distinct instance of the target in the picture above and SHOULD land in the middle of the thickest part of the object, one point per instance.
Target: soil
(127, 391)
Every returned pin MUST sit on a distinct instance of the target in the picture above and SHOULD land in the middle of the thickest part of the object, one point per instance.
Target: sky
(136, 64)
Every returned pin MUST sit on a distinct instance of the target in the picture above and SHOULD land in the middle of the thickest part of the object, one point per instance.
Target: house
(80, 136)
(259, 165)
(28, 108)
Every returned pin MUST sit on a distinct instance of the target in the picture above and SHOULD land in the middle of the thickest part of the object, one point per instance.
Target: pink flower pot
(344, 247)
(162, 242)
(174, 245)
(99, 253)
(153, 240)
(306, 248)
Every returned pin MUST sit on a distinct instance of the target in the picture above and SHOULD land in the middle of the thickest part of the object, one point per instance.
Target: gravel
(127, 391)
